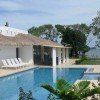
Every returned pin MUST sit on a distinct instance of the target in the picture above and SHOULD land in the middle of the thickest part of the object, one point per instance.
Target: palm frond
(50, 89)
(81, 86)
(72, 96)
(63, 85)
(90, 92)
(65, 91)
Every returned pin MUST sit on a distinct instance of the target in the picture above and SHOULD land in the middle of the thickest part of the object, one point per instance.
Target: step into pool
(91, 76)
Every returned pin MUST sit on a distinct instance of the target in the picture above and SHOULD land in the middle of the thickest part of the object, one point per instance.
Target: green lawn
(91, 62)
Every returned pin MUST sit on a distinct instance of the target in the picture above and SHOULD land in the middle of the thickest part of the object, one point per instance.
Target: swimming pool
(33, 79)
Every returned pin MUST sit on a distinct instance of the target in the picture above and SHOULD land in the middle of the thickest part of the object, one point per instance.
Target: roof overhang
(28, 40)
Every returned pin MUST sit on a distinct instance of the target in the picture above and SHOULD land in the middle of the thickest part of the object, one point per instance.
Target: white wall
(8, 31)
(26, 53)
(7, 52)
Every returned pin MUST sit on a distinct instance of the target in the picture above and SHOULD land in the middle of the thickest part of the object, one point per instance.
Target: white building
(8, 31)
(93, 53)
(15, 43)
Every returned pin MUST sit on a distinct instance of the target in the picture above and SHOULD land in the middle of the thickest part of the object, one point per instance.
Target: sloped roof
(26, 40)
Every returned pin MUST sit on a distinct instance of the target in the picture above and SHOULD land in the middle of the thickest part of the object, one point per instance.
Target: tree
(81, 27)
(64, 91)
(60, 28)
(84, 29)
(95, 28)
(46, 31)
(35, 31)
(75, 35)
(76, 39)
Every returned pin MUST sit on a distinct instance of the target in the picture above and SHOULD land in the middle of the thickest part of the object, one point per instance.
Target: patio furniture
(12, 64)
(21, 62)
(15, 64)
(7, 64)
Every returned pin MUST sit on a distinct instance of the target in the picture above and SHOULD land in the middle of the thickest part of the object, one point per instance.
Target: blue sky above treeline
(24, 14)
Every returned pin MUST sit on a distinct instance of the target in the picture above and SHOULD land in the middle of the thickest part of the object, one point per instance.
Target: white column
(63, 54)
(59, 55)
(67, 56)
(42, 54)
(53, 56)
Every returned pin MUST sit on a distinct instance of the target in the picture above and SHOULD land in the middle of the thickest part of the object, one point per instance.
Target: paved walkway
(5, 72)
(96, 67)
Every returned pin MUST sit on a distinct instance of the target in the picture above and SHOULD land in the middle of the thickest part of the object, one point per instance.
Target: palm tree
(64, 91)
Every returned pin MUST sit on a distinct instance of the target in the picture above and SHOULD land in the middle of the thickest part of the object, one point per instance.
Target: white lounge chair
(20, 60)
(6, 65)
(17, 62)
(11, 64)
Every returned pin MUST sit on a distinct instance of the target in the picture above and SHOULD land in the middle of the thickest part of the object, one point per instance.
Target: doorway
(17, 52)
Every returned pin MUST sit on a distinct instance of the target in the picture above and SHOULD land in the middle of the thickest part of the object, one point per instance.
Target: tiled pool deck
(96, 67)
(5, 72)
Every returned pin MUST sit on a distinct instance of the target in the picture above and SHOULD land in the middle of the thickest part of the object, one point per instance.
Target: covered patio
(45, 55)
(33, 49)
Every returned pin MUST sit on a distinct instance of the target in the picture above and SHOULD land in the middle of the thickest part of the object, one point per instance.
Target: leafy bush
(84, 58)
(77, 61)
(81, 59)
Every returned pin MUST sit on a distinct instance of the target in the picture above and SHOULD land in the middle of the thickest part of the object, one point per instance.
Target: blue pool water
(33, 79)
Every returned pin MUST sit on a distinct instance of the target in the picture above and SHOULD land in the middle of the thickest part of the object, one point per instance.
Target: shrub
(65, 91)
(81, 60)
(77, 61)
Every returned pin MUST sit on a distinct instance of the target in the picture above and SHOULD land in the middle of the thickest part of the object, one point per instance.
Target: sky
(24, 14)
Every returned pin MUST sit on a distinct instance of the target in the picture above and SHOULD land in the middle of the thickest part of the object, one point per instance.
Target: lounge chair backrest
(16, 60)
(4, 63)
(13, 62)
(9, 62)
(20, 60)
